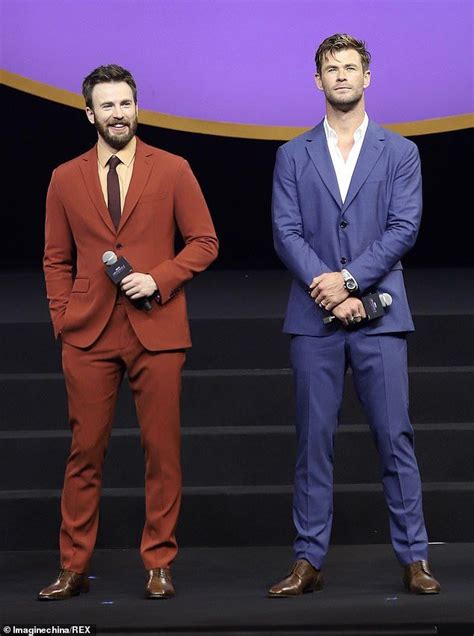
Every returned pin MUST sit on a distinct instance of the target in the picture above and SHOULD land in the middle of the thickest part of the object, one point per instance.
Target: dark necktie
(113, 190)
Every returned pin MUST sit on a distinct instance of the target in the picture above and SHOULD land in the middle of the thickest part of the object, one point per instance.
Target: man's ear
(366, 79)
(90, 115)
(317, 81)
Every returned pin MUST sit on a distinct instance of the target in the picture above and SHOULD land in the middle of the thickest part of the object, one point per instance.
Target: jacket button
(119, 246)
(343, 260)
(343, 224)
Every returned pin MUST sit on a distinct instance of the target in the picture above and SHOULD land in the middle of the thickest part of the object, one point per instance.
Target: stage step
(241, 397)
(234, 456)
(245, 343)
(254, 515)
(238, 436)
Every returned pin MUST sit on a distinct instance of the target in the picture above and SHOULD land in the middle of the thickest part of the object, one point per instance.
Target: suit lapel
(371, 150)
(90, 174)
(141, 172)
(317, 147)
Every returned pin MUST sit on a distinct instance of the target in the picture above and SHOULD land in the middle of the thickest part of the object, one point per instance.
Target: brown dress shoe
(67, 584)
(159, 584)
(302, 578)
(418, 579)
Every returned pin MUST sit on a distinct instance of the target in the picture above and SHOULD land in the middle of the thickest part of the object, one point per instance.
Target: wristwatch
(350, 282)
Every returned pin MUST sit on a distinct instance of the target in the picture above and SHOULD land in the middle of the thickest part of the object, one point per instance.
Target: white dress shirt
(345, 169)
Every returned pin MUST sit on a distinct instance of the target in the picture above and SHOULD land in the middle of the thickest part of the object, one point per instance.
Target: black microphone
(116, 269)
(374, 305)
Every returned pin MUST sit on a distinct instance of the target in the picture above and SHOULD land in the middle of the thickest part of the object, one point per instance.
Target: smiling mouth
(118, 126)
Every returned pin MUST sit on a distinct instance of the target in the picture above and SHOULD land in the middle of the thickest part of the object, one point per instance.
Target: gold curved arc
(226, 129)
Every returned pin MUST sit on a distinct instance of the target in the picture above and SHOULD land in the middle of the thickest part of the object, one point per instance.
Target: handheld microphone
(374, 305)
(116, 269)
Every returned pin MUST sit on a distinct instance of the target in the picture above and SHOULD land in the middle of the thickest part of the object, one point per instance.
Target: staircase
(238, 413)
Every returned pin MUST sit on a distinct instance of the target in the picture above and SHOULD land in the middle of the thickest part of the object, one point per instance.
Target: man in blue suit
(346, 208)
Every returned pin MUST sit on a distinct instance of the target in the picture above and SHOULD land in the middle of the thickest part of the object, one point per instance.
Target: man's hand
(350, 311)
(138, 285)
(328, 290)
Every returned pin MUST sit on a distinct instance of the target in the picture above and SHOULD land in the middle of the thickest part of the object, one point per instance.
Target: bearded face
(117, 132)
(114, 113)
(343, 79)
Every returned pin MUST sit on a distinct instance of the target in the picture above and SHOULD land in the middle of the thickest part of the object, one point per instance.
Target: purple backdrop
(248, 61)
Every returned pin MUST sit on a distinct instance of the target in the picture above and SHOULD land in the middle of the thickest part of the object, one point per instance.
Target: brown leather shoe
(159, 584)
(67, 584)
(418, 579)
(302, 578)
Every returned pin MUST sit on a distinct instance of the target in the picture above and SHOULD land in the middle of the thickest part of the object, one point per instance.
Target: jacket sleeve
(288, 232)
(403, 223)
(195, 225)
(59, 256)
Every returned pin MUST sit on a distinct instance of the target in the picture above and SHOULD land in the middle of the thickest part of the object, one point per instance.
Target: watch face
(350, 285)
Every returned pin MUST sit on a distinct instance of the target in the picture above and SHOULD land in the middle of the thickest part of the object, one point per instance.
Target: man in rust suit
(129, 198)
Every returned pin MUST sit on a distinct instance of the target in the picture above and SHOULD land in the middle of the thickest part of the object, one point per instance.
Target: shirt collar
(359, 132)
(125, 155)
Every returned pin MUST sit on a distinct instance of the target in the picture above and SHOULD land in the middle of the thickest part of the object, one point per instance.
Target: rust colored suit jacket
(163, 197)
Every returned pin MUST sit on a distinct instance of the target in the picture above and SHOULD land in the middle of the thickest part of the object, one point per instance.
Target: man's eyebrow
(123, 101)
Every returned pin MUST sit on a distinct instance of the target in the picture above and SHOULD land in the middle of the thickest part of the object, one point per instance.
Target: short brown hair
(107, 73)
(338, 42)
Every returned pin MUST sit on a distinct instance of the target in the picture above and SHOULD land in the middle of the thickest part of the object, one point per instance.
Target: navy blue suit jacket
(382, 210)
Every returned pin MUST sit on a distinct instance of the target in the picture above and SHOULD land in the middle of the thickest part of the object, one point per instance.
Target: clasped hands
(138, 285)
(330, 294)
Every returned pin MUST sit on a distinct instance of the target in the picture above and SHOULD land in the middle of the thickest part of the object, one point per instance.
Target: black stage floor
(222, 591)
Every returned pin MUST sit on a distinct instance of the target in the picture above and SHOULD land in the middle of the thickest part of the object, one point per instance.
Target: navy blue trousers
(379, 367)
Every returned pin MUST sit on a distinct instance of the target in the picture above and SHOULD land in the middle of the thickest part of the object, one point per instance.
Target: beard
(344, 103)
(117, 141)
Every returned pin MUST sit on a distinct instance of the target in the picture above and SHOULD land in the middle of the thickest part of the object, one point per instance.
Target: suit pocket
(151, 197)
(375, 179)
(81, 285)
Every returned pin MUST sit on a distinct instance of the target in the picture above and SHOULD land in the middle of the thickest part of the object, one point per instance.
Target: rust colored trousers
(93, 377)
